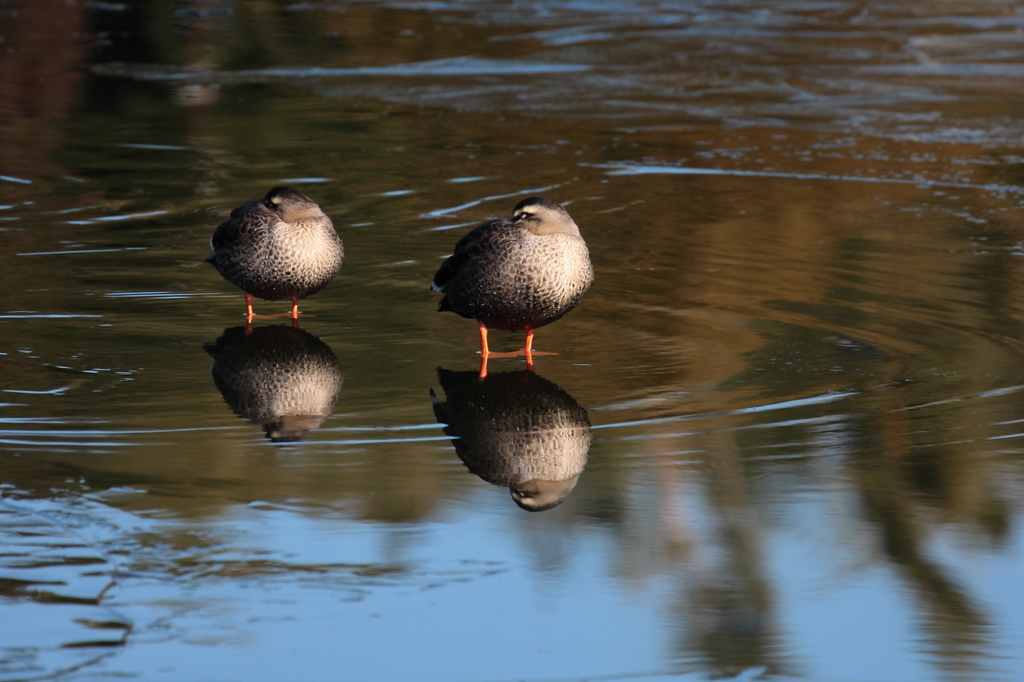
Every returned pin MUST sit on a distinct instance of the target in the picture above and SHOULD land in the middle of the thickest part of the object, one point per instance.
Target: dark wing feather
(242, 220)
(479, 240)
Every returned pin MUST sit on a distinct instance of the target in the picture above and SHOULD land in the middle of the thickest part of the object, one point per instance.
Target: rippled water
(782, 433)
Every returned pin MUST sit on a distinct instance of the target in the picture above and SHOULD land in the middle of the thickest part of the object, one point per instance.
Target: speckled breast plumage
(277, 260)
(525, 282)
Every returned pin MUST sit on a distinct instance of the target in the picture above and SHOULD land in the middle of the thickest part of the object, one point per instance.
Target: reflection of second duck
(281, 378)
(516, 429)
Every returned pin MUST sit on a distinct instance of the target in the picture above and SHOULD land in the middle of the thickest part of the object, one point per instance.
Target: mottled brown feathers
(280, 247)
(519, 273)
(482, 239)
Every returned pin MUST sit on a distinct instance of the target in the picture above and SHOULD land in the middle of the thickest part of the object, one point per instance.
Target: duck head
(543, 216)
(292, 205)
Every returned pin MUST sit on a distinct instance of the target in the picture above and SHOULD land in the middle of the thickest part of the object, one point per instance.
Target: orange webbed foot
(277, 316)
(527, 351)
(294, 314)
(517, 353)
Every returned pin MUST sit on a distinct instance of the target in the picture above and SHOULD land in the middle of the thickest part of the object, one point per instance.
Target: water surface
(795, 391)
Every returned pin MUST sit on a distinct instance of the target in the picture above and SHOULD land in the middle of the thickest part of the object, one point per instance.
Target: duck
(517, 274)
(280, 247)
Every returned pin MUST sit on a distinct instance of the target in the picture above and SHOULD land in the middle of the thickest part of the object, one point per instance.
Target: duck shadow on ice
(280, 378)
(516, 430)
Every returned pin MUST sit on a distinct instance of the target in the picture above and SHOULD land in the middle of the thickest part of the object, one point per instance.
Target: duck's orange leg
(487, 352)
(528, 350)
(248, 308)
(484, 350)
(295, 314)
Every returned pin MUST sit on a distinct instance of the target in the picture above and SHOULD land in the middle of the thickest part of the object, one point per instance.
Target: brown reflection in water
(43, 43)
(728, 606)
(517, 430)
(281, 378)
(910, 490)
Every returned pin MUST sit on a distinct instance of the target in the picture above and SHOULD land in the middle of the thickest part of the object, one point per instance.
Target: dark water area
(782, 435)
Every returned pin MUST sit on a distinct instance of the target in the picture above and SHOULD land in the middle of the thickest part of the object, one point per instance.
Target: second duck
(517, 274)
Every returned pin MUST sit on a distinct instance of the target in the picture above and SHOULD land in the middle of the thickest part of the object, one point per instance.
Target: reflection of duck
(517, 274)
(282, 246)
(281, 378)
(516, 429)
